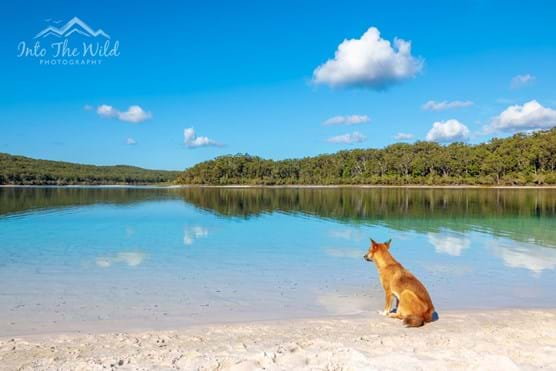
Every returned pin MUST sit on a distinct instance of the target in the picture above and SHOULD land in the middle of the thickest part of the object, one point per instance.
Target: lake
(120, 258)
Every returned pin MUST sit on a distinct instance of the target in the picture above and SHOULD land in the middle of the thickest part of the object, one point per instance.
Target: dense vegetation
(518, 160)
(28, 171)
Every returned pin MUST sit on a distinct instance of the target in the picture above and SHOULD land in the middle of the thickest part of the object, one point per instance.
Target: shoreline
(287, 186)
(493, 339)
(104, 327)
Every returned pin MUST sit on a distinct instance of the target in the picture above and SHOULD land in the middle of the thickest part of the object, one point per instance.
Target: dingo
(414, 305)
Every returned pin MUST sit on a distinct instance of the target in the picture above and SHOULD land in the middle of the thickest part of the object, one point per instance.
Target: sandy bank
(492, 340)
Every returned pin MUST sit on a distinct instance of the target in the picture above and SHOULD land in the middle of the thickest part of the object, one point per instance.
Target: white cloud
(134, 114)
(432, 105)
(131, 259)
(131, 141)
(194, 233)
(369, 62)
(446, 244)
(403, 136)
(530, 116)
(520, 81)
(191, 139)
(448, 131)
(347, 120)
(349, 138)
(106, 111)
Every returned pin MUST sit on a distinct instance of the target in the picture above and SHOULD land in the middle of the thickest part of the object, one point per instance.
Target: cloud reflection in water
(448, 244)
(130, 258)
(194, 233)
(524, 255)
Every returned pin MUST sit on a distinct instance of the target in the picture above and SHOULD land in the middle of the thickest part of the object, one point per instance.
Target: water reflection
(522, 215)
(346, 234)
(129, 231)
(15, 200)
(129, 258)
(517, 214)
(350, 252)
(524, 255)
(194, 233)
(448, 243)
(447, 269)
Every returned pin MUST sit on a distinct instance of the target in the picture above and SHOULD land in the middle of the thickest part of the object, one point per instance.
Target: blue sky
(243, 76)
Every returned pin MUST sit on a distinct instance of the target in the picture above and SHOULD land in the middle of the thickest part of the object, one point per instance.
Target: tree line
(518, 160)
(27, 171)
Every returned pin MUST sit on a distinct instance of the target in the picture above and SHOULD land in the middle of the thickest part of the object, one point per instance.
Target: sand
(490, 340)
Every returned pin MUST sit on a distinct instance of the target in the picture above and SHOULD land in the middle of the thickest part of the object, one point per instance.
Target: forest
(27, 171)
(522, 159)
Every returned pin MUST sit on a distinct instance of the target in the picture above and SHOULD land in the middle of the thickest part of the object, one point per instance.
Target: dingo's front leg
(387, 305)
(395, 315)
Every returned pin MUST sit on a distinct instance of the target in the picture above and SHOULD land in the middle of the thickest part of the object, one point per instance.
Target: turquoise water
(84, 259)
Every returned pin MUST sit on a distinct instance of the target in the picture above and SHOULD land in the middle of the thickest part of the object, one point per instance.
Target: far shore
(309, 186)
(509, 339)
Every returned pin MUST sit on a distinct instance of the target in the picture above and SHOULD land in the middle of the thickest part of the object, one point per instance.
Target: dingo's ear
(388, 243)
(373, 242)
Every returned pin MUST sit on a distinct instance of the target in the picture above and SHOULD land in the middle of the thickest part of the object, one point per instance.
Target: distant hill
(519, 160)
(28, 171)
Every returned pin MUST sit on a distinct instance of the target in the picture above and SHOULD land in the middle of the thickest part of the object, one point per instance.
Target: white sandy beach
(489, 340)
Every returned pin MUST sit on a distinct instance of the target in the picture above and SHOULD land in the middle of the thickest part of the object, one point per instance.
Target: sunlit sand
(488, 340)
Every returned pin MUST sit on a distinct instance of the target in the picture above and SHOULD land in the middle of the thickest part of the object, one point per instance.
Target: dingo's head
(374, 248)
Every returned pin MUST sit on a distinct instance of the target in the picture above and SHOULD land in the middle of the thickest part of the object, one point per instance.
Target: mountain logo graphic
(74, 26)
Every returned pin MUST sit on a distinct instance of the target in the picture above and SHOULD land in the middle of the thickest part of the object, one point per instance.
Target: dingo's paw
(382, 312)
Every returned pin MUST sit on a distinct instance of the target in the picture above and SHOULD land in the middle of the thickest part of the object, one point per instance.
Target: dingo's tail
(413, 321)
